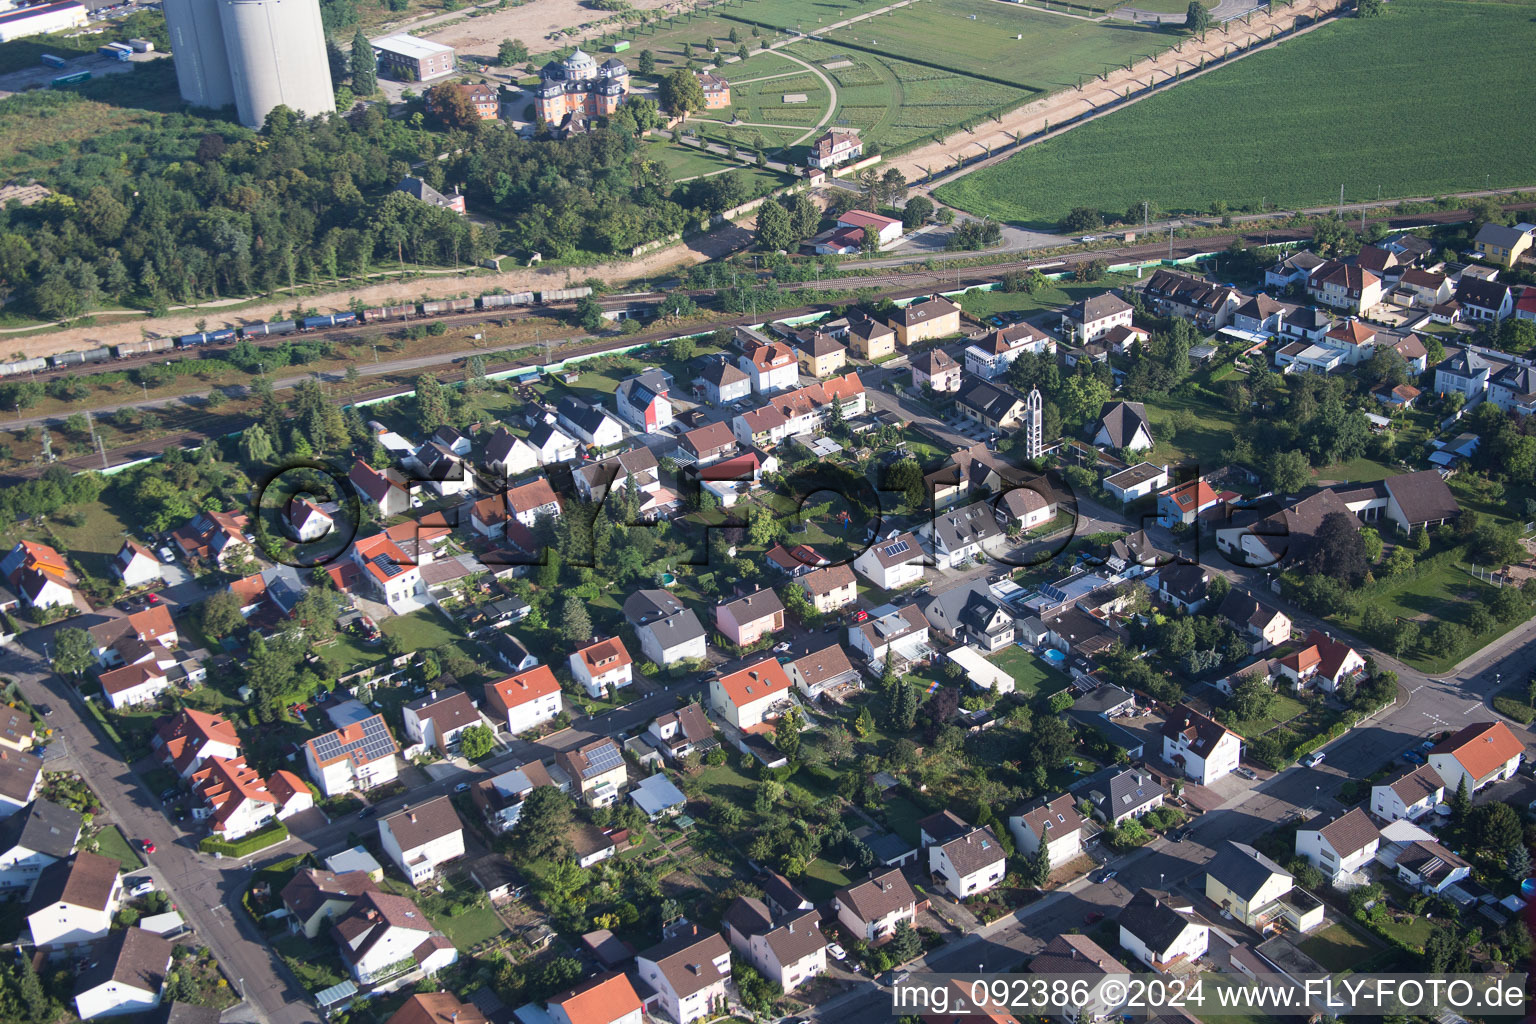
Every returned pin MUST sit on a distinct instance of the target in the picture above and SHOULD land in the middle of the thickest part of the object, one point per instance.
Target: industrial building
(31, 21)
(409, 59)
(251, 54)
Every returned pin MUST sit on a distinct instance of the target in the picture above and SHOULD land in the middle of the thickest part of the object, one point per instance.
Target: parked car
(1247, 773)
(1178, 835)
(837, 952)
(1094, 918)
(368, 812)
(1313, 760)
(140, 886)
(1103, 875)
(462, 787)
(1413, 757)
(45, 710)
(146, 845)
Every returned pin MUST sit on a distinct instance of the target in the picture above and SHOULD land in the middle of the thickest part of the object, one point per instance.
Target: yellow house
(1503, 245)
(871, 340)
(821, 355)
(933, 317)
(1256, 890)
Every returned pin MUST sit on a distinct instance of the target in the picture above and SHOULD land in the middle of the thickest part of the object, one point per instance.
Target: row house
(1210, 306)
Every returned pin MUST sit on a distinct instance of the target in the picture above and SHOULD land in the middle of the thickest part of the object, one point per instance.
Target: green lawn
(1028, 671)
(1202, 443)
(1339, 947)
(315, 964)
(725, 781)
(112, 843)
(1281, 710)
(903, 815)
(1382, 84)
(1055, 295)
(821, 879)
(419, 630)
(88, 534)
(1413, 931)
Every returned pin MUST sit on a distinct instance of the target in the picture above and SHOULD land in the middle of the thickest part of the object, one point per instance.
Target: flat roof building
(413, 60)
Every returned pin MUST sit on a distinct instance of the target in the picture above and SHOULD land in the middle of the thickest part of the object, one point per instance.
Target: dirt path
(533, 23)
(1062, 106)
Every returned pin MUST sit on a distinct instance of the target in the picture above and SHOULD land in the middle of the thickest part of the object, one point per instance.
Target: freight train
(271, 328)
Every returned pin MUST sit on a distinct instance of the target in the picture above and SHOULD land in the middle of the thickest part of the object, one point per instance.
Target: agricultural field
(1185, 160)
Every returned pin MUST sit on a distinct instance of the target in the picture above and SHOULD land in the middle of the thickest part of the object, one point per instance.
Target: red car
(1093, 918)
(148, 846)
(861, 616)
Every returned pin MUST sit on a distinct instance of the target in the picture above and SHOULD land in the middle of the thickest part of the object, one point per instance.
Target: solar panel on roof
(388, 566)
(1052, 594)
(897, 548)
(603, 759)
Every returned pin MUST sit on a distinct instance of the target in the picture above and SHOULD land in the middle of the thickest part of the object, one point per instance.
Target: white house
(386, 488)
(1085, 960)
(1094, 317)
(787, 948)
(751, 695)
(871, 910)
(679, 733)
(892, 563)
(533, 500)
(669, 631)
(525, 701)
(306, 521)
(968, 864)
(688, 973)
(508, 456)
(185, 741)
(358, 756)
(126, 975)
(135, 564)
(956, 536)
(235, 801)
(1201, 747)
(74, 901)
(900, 632)
(420, 838)
(606, 999)
(382, 932)
(21, 776)
(553, 444)
(990, 355)
(597, 770)
(1128, 794)
(391, 573)
(771, 365)
(1409, 795)
(1137, 482)
(590, 423)
(136, 684)
(501, 797)
(1340, 848)
(1161, 930)
(41, 834)
(1479, 754)
(1430, 867)
(440, 718)
(1055, 823)
(642, 400)
(603, 668)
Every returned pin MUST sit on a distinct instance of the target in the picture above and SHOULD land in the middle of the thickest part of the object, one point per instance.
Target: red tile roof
(755, 682)
(1481, 748)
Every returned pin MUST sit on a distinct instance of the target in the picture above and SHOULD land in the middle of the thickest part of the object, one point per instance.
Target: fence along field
(1423, 100)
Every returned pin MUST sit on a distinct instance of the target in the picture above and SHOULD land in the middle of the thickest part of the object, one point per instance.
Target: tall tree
(365, 73)
(774, 230)
(1338, 550)
(575, 623)
(1197, 19)
(543, 824)
(681, 92)
(73, 652)
(511, 51)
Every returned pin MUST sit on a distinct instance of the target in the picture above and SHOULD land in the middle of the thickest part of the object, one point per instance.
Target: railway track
(895, 285)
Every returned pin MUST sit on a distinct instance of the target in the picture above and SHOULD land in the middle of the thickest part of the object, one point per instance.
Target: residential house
(968, 864)
(959, 535)
(419, 839)
(836, 146)
(1083, 959)
(1137, 482)
(1513, 390)
(787, 948)
(440, 1008)
(1466, 372)
(642, 400)
(1401, 396)
(822, 671)
(990, 405)
(821, 355)
(1262, 626)
(553, 444)
(1324, 662)
(1307, 326)
(1384, 263)
(1127, 794)
(508, 456)
(40, 575)
(668, 630)
(314, 897)
(1210, 306)
(74, 900)
(1261, 315)
(830, 588)
(725, 383)
(590, 423)
(1294, 269)
(1341, 848)
(511, 654)
(603, 667)
(440, 468)
(1162, 931)
(871, 339)
(32, 839)
(1482, 299)
(21, 777)
(937, 370)
(187, 739)
(126, 975)
(500, 798)
(1419, 499)
(1094, 317)
(1182, 585)
(747, 619)
(141, 636)
(1408, 795)
(658, 797)
(305, 521)
(614, 475)
(1479, 754)
(1123, 426)
(359, 756)
(1344, 286)
(708, 444)
(1202, 748)
(532, 501)
(1429, 867)
(1256, 891)
(135, 564)
(752, 695)
(871, 910)
(607, 998)
(892, 563)
(679, 733)
(901, 633)
(972, 615)
(1502, 244)
(771, 365)
(384, 934)
(391, 573)
(887, 229)
(1423, 288)
(1184, 503)
(989, 356)
(1525, 306)
(525, 701)
(688, 972)
(235, 801)
(925, 320)
(440, 718)
(717, 91)
(1055, 824)
(215, 537)
(1355, 338)
(597, 770)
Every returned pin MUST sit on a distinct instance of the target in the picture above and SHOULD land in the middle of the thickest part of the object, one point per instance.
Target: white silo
(197, 46)
(276, 51)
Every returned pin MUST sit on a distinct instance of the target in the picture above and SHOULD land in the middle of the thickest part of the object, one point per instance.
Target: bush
(1518, 710)
(270, 834)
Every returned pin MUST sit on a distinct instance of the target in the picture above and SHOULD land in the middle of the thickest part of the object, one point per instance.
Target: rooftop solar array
(1051, 593)
(376, 742)
(898, 548)
(386, 565)
(603, 759)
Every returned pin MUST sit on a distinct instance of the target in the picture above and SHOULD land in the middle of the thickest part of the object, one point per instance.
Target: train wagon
(141, 348)
(52, 61)
(441, 306)
(565, 294)
(23, 366)
(93, 355)
(220, 336)
(269, 327)
(388, 313)
(503, 301)
(311, 323)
